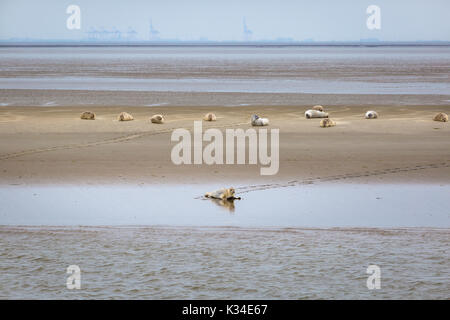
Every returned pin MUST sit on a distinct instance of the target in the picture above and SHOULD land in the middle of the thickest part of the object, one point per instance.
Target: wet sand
(51, 144)
(87, 98)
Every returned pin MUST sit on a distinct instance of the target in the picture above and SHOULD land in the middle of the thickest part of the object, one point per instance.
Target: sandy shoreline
(52, 145)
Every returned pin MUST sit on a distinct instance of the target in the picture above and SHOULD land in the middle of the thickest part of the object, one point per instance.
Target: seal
(157, 118)
(371, 114)
(223, 194)
(442, 117)
(317, 108)
(257, 121)
(87, 115)
(210, 117)
(325, 123)
(124, 116)
(309, 114)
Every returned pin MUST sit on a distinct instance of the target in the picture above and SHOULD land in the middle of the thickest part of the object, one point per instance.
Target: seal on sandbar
(157, 118)
(257, 121)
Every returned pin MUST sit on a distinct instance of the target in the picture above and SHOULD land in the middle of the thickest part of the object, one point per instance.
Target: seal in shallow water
(224, 194)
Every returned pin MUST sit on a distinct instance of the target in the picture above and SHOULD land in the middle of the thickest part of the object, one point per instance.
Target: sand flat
(51, 144)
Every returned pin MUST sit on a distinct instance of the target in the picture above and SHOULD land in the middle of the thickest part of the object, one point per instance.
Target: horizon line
(87, 43)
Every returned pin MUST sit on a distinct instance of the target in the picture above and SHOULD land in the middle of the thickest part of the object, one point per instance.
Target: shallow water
(318, 206)
(327, 70)
(225, 85)
(303, 242)
(223, 263)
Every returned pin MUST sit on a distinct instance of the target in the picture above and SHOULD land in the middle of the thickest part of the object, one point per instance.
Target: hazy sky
(322, 20)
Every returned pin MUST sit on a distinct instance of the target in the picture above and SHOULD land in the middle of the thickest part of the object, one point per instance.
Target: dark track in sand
(242, 189)
(122, 138)
(293, 183)
(251, 188)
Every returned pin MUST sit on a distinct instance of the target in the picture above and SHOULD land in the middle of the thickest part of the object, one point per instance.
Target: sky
(222, 20)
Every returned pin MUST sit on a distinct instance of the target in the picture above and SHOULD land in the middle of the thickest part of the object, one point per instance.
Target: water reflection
(225, 203)
(352, 205)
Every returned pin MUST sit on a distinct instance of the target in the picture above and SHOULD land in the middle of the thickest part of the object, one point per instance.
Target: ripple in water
(223, 263)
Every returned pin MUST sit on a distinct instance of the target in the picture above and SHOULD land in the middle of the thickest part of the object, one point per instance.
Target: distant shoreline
(222, 44)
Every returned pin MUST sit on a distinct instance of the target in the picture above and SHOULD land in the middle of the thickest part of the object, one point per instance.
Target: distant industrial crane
(153, 32)
(247, 32)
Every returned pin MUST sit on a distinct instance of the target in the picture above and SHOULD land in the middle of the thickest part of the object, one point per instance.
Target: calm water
(311, 206)
(335, 70)
(307, 242)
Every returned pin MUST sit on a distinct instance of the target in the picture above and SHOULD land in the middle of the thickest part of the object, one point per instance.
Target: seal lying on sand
(257, 121)
(371, 114)
(325, 123)
(87, 115)
(317, 108)
(157, 118)
(124, 116)
(223, 194)
(441, 117)
(210, 117)
(315, 114)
